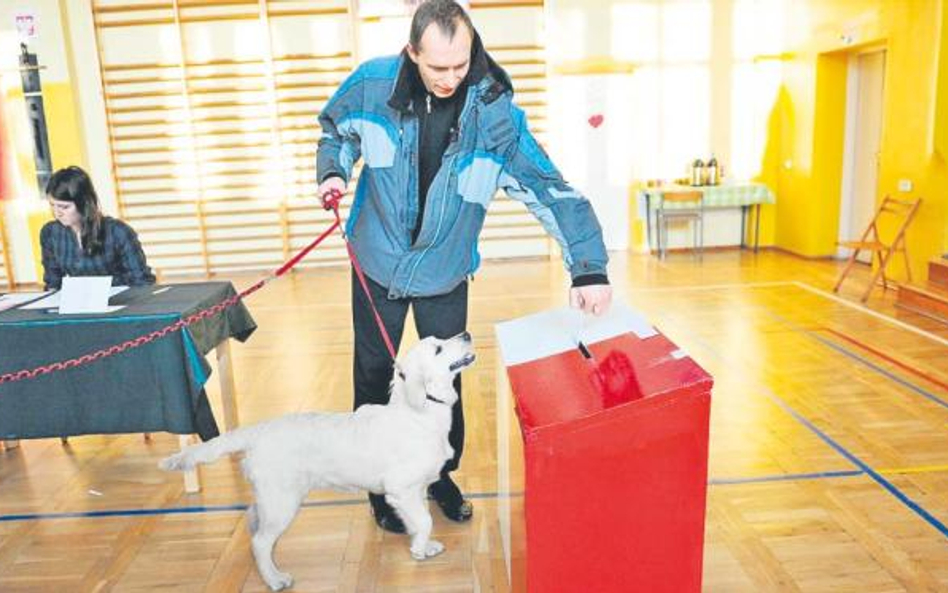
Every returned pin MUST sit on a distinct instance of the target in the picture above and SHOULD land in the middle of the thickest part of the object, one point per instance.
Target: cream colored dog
(397, 450)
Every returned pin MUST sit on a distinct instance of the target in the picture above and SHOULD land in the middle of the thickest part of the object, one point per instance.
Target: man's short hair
(444, 13)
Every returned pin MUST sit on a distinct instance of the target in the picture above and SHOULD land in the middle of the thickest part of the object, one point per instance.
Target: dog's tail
(230, 442)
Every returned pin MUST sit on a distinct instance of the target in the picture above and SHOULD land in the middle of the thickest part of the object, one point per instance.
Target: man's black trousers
(440, 316)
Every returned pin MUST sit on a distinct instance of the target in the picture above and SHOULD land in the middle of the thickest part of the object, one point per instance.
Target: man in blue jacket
(439, 134)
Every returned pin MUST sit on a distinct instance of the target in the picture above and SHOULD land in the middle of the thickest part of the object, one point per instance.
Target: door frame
(847, 199)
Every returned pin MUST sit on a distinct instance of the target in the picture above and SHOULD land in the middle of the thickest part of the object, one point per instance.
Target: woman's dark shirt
(121, 257)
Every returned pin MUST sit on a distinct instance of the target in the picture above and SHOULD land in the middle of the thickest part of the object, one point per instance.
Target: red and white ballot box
(600, 494)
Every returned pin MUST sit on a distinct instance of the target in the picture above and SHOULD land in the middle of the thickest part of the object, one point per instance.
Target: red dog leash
(331, 201)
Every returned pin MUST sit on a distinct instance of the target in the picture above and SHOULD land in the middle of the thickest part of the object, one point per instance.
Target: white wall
(595, 160)
(681, 101)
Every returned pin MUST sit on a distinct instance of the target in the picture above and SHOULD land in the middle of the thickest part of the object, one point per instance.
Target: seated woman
(84, 242)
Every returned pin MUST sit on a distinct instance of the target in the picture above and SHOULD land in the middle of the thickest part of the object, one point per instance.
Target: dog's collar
(436, 400)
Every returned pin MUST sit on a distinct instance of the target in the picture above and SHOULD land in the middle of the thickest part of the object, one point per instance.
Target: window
(212, 113)
(671, 44)
(683, 51)
(757, 43)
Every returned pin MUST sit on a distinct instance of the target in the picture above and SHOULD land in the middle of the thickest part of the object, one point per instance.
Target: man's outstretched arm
(530, 177)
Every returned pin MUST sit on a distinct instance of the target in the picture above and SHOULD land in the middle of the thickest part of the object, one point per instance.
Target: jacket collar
(485, 74)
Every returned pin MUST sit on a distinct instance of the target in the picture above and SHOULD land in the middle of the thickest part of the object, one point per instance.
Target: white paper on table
(84, 294)
(52, 301)
(15, 299)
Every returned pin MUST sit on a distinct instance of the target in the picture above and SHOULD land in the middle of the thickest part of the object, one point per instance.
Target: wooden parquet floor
(828, 464)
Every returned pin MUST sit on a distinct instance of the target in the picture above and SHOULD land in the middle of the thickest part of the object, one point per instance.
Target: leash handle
(331, 201)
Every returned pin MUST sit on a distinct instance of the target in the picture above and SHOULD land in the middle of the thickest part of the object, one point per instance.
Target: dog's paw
(280, 581)
(181, 461)
(172, 463)
(432, 548)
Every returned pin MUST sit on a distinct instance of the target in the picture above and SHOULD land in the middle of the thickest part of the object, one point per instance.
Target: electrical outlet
(905, 185)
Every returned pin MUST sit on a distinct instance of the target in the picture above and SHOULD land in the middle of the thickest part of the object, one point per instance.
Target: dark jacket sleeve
(52, 268)
(131, 256)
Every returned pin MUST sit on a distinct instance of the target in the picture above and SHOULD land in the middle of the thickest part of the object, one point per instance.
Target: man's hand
(594, 299)
(328, 188)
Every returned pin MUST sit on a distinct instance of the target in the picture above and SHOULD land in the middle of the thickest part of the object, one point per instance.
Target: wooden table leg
(225, 369)
(192, 481)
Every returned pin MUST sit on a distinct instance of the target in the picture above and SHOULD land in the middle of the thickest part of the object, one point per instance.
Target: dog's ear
(409, 380)
(442, 389)
(396, 389)
(415, 393)
(416, 398)
(399, 372)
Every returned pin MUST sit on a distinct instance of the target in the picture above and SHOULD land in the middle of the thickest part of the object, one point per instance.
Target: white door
(863, 143)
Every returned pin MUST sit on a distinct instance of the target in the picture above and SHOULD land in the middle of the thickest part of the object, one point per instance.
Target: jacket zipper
(444, 201)
(469, 103)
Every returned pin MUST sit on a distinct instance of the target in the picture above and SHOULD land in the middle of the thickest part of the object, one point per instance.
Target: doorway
(864, 103)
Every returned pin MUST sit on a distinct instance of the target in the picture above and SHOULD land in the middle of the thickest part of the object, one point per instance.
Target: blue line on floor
(892, 489)
(859, 463)
(863, 361)
(122, 513)
(359, 501)
(785, 477)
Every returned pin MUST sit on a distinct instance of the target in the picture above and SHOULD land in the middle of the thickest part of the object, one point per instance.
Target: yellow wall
(65, 142)
(821, 36)
(27, 211)
(59, 99)
(941, 105)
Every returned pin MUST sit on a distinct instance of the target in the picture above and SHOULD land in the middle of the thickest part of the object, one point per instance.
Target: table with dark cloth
(152, 388)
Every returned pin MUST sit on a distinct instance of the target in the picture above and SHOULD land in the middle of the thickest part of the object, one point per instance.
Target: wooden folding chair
(900, 213)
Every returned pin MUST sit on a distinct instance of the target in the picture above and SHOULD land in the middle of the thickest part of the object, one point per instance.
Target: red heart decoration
(596, 120)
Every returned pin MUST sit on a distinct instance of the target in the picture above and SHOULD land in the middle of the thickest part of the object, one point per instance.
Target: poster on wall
(394, 8)
(26, 25)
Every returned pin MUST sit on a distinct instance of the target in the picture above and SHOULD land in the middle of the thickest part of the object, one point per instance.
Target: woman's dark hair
(444, 13)
(72, 184)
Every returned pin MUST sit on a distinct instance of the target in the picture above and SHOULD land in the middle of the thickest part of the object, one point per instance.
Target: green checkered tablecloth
(729, 195)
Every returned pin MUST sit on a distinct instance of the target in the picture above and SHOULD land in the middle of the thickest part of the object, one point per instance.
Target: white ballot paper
(557, 330)
(85, 294)
(82, 294)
